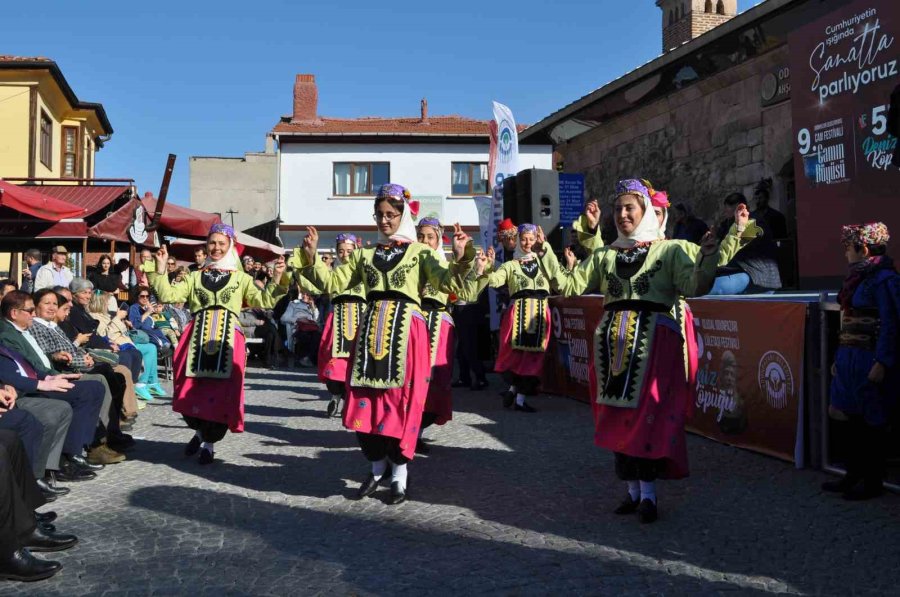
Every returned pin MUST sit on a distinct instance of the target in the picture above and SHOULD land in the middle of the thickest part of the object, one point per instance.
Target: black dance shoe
(192, 446)
(647, 511)
(23, 566)
(863, 491)
(334, 406)
(842, 485)
(525, 408)
(628, 505)
(368, 487)
(206, 457)
(422, 447)
(508, 398)
(398, 496)
(41, 540)
(82, 463)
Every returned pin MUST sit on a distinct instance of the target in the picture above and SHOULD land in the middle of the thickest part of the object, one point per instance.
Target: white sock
(520, 399)
(398, 475)
(207, 446)
(634, 490)
(378, 468)
(512, 389)
(648, 491)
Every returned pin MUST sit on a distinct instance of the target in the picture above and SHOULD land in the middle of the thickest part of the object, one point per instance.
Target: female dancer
(340, 329)
(389, 364)
(525, 326)
(639, 368)
(209, 367)
(439, 404)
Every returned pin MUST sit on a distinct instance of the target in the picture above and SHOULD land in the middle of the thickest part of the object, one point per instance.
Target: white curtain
(342, 179)
(361, 180)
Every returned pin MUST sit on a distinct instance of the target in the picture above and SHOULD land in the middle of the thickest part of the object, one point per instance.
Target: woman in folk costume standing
(639, 365)
(209, 368)
(340, 327)
(865, 365)
(525, 325)
(436, 304)
(390, 361)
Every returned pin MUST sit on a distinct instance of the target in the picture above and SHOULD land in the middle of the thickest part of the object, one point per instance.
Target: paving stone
(506, 504)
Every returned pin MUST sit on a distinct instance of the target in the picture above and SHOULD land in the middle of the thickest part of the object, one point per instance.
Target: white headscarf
(646, 231)
(406, 232)
(518, 253)
(231, 262)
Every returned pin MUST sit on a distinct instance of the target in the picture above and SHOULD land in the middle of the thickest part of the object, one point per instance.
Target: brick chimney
(684, 20)
(306, 98)
(424, 110)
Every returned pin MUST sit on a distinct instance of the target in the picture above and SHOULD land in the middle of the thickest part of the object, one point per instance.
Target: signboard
(571, 198)
(749, 383)
(844, 67)
(431, 206)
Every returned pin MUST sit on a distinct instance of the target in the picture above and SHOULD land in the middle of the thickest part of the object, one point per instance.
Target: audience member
(55, 272)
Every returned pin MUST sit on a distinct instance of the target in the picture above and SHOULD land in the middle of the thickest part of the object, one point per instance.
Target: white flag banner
(504, 157)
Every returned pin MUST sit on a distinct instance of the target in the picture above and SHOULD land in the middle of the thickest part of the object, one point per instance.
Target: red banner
(749, 383)
(844, 67)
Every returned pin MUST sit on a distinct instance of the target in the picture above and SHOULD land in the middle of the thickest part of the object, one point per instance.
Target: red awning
(180, 221)
(37, 204)
(66, 229)
(116, 227)
(91, 198)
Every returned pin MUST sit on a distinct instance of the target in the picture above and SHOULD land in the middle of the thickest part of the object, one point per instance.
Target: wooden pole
(84, 257)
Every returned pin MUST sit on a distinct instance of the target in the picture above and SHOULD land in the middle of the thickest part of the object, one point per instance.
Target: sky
(203, 78)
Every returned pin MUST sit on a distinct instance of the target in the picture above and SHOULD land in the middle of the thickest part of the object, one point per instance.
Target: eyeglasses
(380, 217)
(143, 296)
(31, 310)
(172, 264)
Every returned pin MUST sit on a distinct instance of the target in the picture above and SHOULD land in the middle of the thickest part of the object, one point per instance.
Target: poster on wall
(844, 67)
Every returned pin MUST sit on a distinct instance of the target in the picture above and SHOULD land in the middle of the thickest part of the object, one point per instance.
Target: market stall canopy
(179, 221)
(37, 204)
(258, 249)
(127, 225)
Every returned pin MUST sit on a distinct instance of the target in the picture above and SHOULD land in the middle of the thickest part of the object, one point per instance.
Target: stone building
(707, 118)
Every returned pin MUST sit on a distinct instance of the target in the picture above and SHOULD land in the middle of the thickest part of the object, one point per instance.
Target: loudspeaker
(537, 202)
(510, 199)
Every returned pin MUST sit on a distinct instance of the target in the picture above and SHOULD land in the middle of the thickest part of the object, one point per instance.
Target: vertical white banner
(504, 156)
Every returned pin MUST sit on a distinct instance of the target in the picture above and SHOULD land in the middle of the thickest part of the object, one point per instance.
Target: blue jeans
(733, 284)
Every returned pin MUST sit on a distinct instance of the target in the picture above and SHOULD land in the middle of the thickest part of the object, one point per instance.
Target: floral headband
(222, 229)
(347, 238)
(872, 234)
(531, 228)
(396, 191)
(432, 222)
(508, 233)
(633, 186)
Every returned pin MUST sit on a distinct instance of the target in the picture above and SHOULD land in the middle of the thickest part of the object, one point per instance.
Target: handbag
(139, 336)
(103, 356)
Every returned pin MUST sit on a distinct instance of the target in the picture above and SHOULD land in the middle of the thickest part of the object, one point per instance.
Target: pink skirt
(330, 368)
(655, 429)
(217, 400)
(394, 412)
(519, 362)
(440, 394)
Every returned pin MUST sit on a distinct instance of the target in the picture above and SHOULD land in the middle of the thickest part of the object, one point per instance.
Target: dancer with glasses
(390, 362)
(209, 367)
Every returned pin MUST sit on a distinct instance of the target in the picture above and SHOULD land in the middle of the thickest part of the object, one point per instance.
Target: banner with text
(503, 161)
(844, 67)
(749, 383)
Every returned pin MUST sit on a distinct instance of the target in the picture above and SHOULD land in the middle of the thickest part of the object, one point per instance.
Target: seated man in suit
(22, 530)
(85, 397)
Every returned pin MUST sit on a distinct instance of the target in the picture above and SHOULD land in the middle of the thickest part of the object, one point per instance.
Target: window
(708, 7)
(70, 152)
(720, 8)
(360, 178)
(46, 140)
(468, 178)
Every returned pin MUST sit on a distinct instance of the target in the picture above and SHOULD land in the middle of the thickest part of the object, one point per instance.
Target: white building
(329, 169)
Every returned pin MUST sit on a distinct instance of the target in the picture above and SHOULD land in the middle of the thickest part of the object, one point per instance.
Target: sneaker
(104, 455)
(143, 393)
(156, 389)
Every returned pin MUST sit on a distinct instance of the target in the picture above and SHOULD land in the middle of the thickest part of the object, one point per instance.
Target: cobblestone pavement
(506, 503)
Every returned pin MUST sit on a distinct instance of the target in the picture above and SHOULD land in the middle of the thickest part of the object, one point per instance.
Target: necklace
(632, 255)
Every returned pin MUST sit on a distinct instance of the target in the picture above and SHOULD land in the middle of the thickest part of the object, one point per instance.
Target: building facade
(241, 189)
(329, 169)
(47, 131)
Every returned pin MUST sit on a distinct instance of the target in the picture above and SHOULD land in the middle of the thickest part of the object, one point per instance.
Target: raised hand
(311, 244)
(481, 262)
(460, 240)
(570, 258)
(279, 269)
(162, 256)
(491, 255)
(540, 239)
(741, 216)
(592, 213)
(708, 244)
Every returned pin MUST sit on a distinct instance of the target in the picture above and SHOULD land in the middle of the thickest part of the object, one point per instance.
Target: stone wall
(699, 144)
